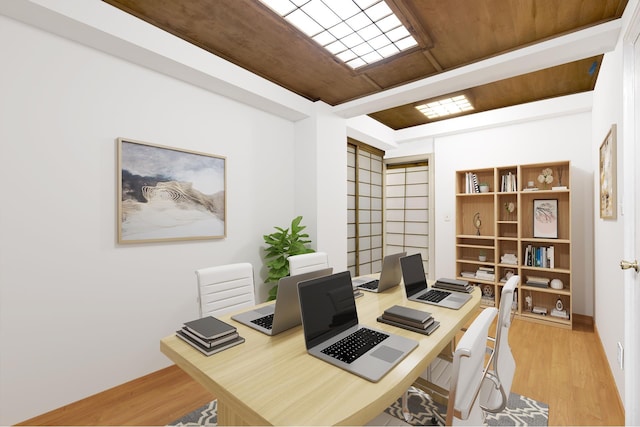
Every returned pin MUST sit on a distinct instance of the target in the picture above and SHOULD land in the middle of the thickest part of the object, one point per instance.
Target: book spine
(222, 334)
(407, 322)
(210, 342)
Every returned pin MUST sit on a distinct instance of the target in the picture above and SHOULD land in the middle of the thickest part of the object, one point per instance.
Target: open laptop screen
(413, 274)
(327, 306)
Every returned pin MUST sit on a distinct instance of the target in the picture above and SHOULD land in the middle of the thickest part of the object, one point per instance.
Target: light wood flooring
(564, 368)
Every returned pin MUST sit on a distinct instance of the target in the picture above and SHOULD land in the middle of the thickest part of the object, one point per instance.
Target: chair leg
(405, 406)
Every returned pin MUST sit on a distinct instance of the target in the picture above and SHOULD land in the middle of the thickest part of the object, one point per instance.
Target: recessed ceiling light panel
(445, 107)
(367, 29)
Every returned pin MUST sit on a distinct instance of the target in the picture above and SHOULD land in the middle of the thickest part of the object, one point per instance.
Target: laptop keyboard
(355, 345)
(434, 295)
(266, 321)
(370, 285)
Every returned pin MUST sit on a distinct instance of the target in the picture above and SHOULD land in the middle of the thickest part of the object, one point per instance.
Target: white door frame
(631, 215)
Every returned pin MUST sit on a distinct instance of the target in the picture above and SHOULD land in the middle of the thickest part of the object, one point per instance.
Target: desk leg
(230, 414)
(228, 417)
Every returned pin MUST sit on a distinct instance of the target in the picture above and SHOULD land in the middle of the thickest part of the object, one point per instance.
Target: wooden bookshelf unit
(520, 226)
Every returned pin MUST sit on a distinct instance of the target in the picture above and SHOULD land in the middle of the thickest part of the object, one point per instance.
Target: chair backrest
(305, 263)
(225, 288)
(463, 407)
(497, 385)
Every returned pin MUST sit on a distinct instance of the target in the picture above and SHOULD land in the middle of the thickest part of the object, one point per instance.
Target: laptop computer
(284, 314)
(416, 288)
(330, 324)
(390, 276)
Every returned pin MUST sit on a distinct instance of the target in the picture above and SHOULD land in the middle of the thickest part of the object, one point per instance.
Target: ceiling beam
(571, 47)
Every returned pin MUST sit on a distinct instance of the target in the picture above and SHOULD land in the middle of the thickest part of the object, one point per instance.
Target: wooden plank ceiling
(450, 33)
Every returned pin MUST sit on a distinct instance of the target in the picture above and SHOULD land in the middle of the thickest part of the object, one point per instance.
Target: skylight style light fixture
(358, 32)
(445, 107)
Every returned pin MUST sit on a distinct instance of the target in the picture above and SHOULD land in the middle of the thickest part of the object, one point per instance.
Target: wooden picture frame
(545, 218)
(608, 172)
(168, 194)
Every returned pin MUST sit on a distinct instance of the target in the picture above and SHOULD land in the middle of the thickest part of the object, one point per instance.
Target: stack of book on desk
(409, 318)
(453, 285)
(209, 335)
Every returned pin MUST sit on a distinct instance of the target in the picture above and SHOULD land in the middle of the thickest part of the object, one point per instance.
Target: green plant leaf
(280, 245)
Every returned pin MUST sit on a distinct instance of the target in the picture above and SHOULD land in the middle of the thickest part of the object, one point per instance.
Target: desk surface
(273, 381)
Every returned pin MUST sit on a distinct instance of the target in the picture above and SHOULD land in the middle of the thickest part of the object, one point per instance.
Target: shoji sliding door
(365, 208)
(407, 210)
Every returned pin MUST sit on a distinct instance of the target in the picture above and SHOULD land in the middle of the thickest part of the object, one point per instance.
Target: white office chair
(468, 371)
(305, 263)
(225, 288)
(496, 386)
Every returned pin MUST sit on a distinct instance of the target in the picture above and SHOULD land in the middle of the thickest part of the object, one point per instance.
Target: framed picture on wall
(545, 218)
(167, 194)
(608, 175)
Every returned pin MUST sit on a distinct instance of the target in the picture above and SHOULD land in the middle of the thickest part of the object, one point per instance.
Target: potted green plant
(281, 244)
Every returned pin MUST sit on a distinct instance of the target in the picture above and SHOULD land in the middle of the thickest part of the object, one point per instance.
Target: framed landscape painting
(608, 175)
(167, 194)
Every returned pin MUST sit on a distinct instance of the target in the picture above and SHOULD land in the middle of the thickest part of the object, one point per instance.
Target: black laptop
(332, 332)
(416, 288)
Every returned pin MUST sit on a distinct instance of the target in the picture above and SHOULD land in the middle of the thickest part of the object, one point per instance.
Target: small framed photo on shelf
(545, 218)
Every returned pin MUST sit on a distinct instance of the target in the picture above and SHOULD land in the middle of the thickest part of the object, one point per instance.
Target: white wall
(321, 182)
(79, 313)
(609, 234)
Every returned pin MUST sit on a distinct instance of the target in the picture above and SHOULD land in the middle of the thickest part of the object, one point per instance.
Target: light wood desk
(273, 381)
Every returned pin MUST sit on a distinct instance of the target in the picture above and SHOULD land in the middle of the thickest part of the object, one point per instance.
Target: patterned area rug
(520, 411)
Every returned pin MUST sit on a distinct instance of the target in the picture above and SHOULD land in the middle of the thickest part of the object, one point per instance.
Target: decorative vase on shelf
(510, 207)
(546, 178)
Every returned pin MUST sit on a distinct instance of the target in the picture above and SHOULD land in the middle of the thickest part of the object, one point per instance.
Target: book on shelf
(508, 182)
(486, 273)
(209, 327)
(487, 301)
(562, 314)
(540, 310)
(472, 185)
(208, 351)
(538, 282)
(539, 256)
(485, 276)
